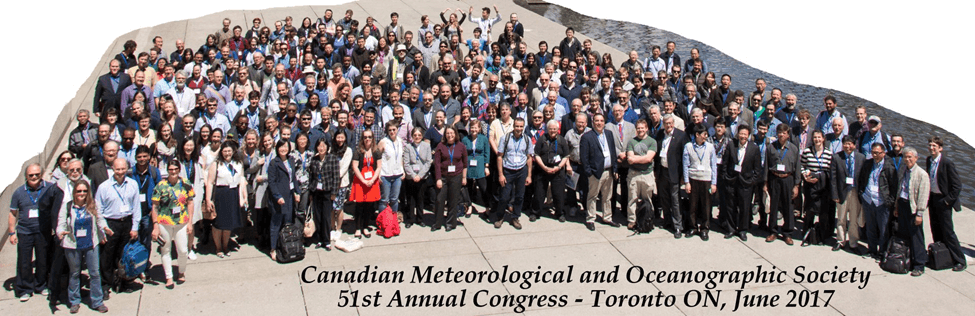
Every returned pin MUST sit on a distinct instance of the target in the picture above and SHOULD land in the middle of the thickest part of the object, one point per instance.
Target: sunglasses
(81, 191)
(32, 175)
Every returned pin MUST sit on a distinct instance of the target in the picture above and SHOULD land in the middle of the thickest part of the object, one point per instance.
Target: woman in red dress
(366, 163)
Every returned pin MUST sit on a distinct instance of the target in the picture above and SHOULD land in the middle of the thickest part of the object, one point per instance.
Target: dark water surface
(621, 35)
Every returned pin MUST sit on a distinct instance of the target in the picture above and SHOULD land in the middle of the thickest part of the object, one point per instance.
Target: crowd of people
(261, 128)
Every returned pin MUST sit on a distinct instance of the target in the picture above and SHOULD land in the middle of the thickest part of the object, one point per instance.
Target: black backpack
(644, 217)
(290, 243)
(897, 259)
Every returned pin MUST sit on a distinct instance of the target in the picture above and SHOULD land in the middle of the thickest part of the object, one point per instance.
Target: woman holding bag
(80, 229)
(366, 164)
(226, 194)
(172, 209)
(282, 191)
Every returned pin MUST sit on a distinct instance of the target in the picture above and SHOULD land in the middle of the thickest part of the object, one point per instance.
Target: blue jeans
(875, 221)
(390, 192)
(74, 257)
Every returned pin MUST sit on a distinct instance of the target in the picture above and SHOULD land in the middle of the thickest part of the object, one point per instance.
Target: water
(615, 34)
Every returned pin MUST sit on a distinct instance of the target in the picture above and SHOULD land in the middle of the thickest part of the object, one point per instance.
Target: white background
(913, 57)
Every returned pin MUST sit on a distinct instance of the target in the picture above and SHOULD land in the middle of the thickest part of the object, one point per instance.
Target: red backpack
(388, 225)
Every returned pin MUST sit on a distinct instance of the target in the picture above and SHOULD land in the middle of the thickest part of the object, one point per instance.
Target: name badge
(738, 168)
(697, 166)
(416, 168)
(718, 161)
(473, 162)
(81, 233)
(32, 213)
(367, 175)
(637, 111)
(142, 198)
(849, 180)
(780, 167)
(177, 210)
(451, 168)
(557, 159)
(319, 186)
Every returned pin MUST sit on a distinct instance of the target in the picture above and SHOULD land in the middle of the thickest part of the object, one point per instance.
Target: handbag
(309, 225)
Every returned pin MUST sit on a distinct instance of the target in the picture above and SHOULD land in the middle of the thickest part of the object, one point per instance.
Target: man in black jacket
(108, 90)
(876, 184)
(843, 168)
(743, 162)
(945, 187)
(670, 172)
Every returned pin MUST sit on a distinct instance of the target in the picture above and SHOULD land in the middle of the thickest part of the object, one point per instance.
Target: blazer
(280, 183)
(674, 155)
(918, 189)
(98, 173)
(717, 102)
(838, 174)
(66, 220)
(948, 182)
(105, 97)
(629, 132)
(751, 166)
(886, 182)
(591, 153)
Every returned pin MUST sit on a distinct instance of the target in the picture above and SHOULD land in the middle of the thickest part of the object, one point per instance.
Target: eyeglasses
(366, 137)
(64, 159)
(128, 138)
(306, 119)
(74, 170)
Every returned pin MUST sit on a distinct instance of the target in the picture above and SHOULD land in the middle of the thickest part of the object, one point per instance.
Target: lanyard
(233, 172)
(555, 146)
(700, 155)
(474, 145)
(173, 190)
(84, 133)
(897, 163)
(417, 152)
(33, 198)
(143, 180)
(368, 162)
(820, 157)
(783, 151)
(115, 187)
(189, 168)
(451, 153)
(850, 163)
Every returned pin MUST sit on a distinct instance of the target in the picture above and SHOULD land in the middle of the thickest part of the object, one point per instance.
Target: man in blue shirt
(33, 211)
(514, 173)
(118, 201)
(824, 121)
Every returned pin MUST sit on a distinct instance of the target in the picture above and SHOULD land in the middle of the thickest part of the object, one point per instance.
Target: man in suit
(100, 171)
(876, 187)
(623, 131)
(723, 95)
(945, 187)
(597, 154)
(108, 90)
(670, 172)
(913, 191)
(844, 168)
(741, 171)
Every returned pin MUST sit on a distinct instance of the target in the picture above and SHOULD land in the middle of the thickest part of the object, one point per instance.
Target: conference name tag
(81, 233)
(849, 180)
(473, 162)
(367, 175)
(557, 159)
(142, 198)
(738, 168)
(177, 210)
(718, 161)
(451, 168)
(780, 167)
(32, 213)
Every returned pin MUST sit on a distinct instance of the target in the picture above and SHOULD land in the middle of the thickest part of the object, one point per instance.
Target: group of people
(306, 123)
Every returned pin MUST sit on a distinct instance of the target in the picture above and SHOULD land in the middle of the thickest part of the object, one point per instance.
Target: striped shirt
(816, 162)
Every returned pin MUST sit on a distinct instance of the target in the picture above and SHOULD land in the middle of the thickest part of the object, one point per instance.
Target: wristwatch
(12, 233)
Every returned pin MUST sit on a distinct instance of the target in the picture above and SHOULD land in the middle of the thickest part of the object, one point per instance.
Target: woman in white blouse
(392, 168)
(226, 194)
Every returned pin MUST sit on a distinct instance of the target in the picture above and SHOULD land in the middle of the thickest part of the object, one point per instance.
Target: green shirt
(640, 148)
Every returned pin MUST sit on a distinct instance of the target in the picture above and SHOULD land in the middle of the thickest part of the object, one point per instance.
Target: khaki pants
(599, 185)
(849, 218)
(640, 186)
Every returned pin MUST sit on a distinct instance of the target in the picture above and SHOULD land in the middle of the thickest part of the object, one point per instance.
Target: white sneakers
(191, 255)
(25, 297)
(335, 235)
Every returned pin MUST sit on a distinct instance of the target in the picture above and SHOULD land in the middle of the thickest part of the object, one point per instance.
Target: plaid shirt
(325, 172)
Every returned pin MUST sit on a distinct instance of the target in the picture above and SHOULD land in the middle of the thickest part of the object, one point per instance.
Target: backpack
(290, 243)
(897, 258)
(507, 137)
(135, 258)
(644, 217)
(388, 225)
